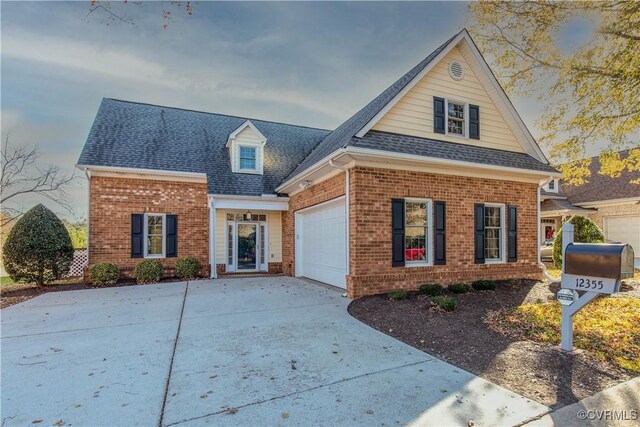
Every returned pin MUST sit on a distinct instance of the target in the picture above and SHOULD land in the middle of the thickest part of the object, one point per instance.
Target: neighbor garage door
(625, 229)
(320, 243)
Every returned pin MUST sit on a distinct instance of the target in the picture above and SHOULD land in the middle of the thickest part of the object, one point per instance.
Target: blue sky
(312, 64)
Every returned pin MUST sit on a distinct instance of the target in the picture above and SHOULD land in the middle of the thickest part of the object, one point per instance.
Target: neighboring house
(435, 180)
(613, 203)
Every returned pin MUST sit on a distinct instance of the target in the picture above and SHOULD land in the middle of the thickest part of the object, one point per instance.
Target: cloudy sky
(313, 64)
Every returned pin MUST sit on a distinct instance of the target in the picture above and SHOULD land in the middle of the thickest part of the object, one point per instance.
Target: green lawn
(6, 280)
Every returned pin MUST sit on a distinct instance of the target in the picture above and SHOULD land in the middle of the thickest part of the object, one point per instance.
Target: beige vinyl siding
(274, 231)
(413, 114)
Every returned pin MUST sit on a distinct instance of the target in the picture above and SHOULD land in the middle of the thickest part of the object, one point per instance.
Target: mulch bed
(19, 292)
(538, 371)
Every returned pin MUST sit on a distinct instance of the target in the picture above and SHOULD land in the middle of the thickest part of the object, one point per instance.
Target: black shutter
(172, 236)
(439, 233)
(512, 241)
(474, 122)
(397, 232)
(438, 115)
(478, 229)
(137, 234)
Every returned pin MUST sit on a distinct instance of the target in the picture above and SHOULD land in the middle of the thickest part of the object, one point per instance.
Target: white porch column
(212, 239)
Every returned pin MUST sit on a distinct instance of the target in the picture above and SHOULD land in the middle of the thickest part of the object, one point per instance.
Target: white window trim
(446, 117)
(428, 236)
(503, 239)
(146, 235)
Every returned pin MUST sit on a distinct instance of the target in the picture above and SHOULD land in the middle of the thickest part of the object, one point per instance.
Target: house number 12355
(586, 283)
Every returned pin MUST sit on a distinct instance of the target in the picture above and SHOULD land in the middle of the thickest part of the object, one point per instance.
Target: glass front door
(247, 246)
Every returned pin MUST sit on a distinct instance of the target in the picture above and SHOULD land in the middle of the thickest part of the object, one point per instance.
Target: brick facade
(370, 243)
(322, 192)
(113, 200)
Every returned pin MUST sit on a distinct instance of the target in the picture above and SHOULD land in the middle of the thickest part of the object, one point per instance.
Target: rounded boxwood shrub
(148, 271)
(38, 248)
(484, 285)
(187, 267)
(398, 295)
(444, 302)
(104, 273)
(459, 288)
(431, 289)
(584, 231)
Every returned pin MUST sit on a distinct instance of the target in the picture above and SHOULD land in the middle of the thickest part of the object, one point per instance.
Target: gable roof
(342, 135)
(246, 124)
(360, 123)
(600, 187)
(134, 135)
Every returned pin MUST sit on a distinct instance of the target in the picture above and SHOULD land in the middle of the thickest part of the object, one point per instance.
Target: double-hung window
(493, 233)
(417, 249)
(154, 227)
(248, 158)
(456, 118)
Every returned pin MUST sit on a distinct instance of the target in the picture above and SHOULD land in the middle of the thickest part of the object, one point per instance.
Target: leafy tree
(38, 248)
(77, 232)
(592, 92)
(584, 231)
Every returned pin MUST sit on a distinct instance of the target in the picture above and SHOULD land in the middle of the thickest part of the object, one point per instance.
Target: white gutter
(447, 162)
(212, 241)
(143, 171)
(347, 209)
(313, 168)
(540, 263)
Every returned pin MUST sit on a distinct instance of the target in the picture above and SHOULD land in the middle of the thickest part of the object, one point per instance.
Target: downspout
(212, 240)
(88, 175)
(544, 267)
(347, 209)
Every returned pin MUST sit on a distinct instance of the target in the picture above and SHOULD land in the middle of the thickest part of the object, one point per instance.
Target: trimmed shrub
(398, 295)
(104, 273)
(444, 302)
(38, 248)
(148, 271)
(187, 267)
(431, 289)
(484, 285)
(584, 231)
(459, 288)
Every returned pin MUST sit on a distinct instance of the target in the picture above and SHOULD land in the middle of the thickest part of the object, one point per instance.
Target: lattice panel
(80, 261)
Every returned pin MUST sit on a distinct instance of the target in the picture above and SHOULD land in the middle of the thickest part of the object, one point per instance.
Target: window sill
(154, 256)
(455, 135)
(494, 261)
(249, 171)
(417, 264)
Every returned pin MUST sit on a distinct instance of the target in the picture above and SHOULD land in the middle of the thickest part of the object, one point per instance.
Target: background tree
(584, 231)
(117, 11)
(38, 248)
(592, 93)
(21, 175)
(78, 233)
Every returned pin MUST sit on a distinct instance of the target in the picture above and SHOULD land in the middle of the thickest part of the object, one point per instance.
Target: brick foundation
(114, 199)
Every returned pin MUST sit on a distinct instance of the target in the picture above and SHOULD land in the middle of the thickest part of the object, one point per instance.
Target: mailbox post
(591, 268)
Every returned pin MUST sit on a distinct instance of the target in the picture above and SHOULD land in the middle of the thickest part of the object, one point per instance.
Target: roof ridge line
(212, 113)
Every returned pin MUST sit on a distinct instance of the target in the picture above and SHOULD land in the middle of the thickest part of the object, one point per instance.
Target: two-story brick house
(435, 180)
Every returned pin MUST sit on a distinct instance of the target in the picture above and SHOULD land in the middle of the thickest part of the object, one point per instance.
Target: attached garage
(320, 245)
(624, 229)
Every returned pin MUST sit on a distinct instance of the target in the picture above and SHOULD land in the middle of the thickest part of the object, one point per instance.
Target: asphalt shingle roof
(135, 135)
(600, 187)
(450, 151)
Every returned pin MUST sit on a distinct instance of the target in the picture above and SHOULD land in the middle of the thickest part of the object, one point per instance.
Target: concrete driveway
(250, 351)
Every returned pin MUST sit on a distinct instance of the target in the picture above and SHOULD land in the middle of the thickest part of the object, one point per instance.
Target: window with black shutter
(438, 115)
(479, 233)
(440, 246)
(474, 122)
(137, 235)
(397, 232)
(172, 236)
(512, 244)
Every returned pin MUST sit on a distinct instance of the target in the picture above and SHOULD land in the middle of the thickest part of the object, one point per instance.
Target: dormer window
(552, 186)
(247, 158)
(246, 149)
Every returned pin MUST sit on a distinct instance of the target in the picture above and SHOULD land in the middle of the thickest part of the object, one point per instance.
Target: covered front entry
(247, 245)
(320, 251)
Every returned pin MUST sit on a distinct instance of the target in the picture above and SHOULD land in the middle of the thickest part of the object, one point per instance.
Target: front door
(247, 246)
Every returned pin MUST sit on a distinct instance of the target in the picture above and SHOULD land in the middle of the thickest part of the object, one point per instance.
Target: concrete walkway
(613, 407)
(252, 351)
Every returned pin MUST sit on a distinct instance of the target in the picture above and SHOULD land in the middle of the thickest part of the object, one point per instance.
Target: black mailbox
(607, 260)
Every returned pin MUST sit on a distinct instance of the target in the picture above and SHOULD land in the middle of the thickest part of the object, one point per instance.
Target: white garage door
(624, 229)
(320, 243)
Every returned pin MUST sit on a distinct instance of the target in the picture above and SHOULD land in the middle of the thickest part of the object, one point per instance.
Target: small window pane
(493, 232)
(415, 244)
(455, 118)
(230, 244)
(416, 213)
(155, 245)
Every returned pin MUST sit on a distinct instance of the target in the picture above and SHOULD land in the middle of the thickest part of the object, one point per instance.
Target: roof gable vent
(455, 70)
